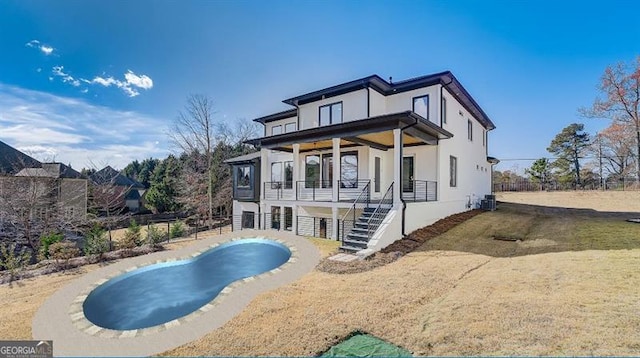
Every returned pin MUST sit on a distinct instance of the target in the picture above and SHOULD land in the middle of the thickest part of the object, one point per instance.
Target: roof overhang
(247, 158)
(376, 132)
(277, 116)
(493, 160)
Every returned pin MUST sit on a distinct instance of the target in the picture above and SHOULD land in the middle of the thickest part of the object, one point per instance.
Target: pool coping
(61, 318)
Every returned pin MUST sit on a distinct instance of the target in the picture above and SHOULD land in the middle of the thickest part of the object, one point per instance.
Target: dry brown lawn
(613, 201)
(568, 286)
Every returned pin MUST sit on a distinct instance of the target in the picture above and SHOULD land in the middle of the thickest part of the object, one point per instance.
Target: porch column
(296, 169)
(336, 168)
(264, 156)
(334, 221)
(261, 216)
(397, 166)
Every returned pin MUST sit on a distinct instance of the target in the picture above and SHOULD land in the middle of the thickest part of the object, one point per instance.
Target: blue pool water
(159, 293)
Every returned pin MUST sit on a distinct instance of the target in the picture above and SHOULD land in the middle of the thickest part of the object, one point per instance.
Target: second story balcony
(315, 190)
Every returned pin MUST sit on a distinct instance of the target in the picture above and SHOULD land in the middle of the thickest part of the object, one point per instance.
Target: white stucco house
(366, 162)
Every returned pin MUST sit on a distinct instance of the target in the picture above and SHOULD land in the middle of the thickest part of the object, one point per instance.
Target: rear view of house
(366, 161)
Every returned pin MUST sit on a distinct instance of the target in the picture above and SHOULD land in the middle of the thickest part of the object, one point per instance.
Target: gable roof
(446, 79)
(13, 160)
(110, 176)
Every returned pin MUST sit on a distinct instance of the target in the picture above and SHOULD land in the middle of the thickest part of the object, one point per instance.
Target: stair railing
(380, 212)
(364, 198)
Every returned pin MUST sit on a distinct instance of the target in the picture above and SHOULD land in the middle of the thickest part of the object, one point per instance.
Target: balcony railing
(420, 191)
(314, 190)
(279, 190)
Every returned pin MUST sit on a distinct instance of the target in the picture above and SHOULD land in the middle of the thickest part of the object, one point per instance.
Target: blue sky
(101, 81)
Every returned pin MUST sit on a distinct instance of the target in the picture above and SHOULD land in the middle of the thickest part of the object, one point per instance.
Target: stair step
(352, 243)
(350, 248)
(369, 210)
(359, 229)
(358, 236)
(360, 225)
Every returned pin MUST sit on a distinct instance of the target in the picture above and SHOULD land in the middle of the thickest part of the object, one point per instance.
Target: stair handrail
(359, 198)
(389, 193)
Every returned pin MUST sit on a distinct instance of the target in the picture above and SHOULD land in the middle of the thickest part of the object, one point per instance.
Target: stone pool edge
(53, 320)
(80, 321)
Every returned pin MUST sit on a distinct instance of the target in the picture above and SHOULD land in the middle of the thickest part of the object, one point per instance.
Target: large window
(469, 129)
(312, 171)
(275, 217)
(453, 171)
(331, 114)
(376, 175)
(243, 176)
(421, 106)
(288, 175)
(276, 175)
(288, 218)
(275, 130)
(443, 110)
(290, 127)
(327, 170)
(248, 220)
(349, 170)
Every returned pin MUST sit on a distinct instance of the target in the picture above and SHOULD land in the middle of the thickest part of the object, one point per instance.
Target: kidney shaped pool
(159, 293)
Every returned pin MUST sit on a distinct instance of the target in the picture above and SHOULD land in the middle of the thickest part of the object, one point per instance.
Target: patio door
(407, 174)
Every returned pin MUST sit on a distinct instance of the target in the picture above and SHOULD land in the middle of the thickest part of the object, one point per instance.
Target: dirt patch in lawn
(399, 248)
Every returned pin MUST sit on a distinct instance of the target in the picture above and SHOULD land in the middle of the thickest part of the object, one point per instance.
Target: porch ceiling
(376, 132)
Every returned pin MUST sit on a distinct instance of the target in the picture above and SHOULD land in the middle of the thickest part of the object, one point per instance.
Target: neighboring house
(114, 191)
(367, 161)
(13, 160)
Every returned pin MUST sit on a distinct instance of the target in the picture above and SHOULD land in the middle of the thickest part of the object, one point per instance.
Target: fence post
(168, 231)
(314, 227)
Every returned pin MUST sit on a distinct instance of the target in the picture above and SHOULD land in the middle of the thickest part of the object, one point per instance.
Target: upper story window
(453, 171)
(331, 114)
(275, 130)
(469, 130)
(443, 109)
(484, 137)
(421, 106)
(290, 127)
(243, 176)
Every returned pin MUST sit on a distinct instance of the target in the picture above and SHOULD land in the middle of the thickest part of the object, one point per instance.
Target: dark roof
(13, 160)
(446, 78)
(277, 116)
(110, 176)
(244, 158)
(361, 126)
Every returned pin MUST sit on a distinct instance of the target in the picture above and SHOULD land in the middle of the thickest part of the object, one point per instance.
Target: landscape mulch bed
(399, 248)
(50, 266)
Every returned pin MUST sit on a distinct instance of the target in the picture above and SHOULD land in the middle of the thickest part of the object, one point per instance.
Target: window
(421, 106)
(248, 220)
(275, 130)
(469, 130)
(312, 171)
(349, 170)
(290, 127)
(243, 176)
(288, 175)
(331, 114)
(275, 217)
(453, 171)
(327, 170)
(288, 218)
(376, 175)
(276, 175)
(443, 110)
(484, 137)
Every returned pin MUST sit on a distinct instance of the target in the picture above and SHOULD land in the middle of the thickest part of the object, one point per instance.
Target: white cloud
(66, 78)
(130, 85)
(45, 49)
(77, 132)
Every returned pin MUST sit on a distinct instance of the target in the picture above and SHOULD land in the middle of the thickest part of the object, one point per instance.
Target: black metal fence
(312, 226)
(420, 190)
(518, 185)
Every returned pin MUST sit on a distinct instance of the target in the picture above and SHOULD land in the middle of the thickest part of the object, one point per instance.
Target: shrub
(155, 235)
(131, 237)
(96, 242)
(177, 230)
(63, 251)
(46, 241)
(13, 261)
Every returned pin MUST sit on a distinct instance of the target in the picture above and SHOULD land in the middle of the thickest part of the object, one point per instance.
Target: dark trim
(366, 143)
(425, 137)
(352, 152)
(283, 149)
(413, 105)
(353, 129)
(443, 109)
(277, 116)
(285, 127)
(281, 129)
(415, 144)
(368, 102)
(330, 113)
(328, 148)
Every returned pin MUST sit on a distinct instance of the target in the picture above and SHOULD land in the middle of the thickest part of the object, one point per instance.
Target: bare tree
(615, 145)
(620, 87)
(194, 132)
